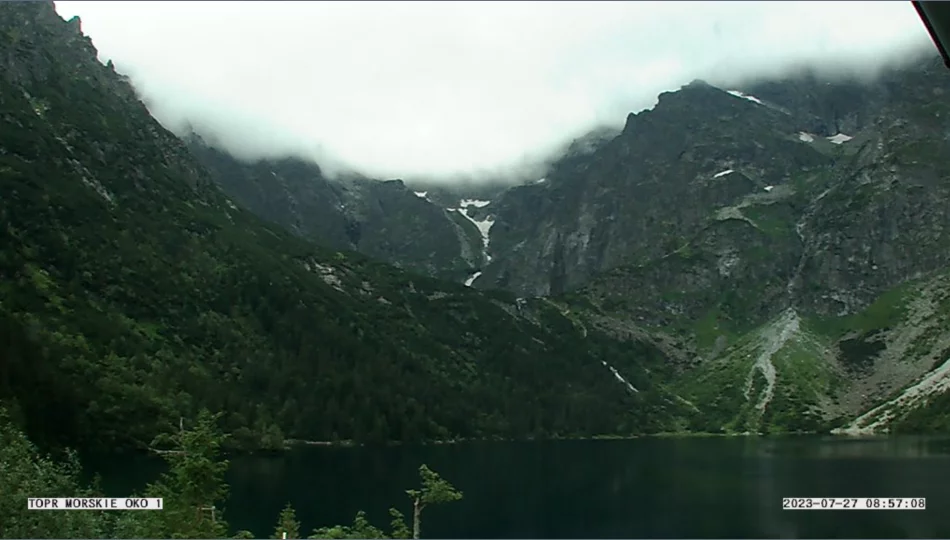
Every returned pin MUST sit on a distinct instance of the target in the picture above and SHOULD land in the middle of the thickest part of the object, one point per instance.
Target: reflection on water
(857, 447)
(645, 488)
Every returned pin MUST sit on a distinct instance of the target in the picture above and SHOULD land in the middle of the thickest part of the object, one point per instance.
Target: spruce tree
(287, 524)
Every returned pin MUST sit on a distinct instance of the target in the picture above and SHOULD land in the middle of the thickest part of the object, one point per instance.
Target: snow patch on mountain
(840, 138)
(739, 94)
(723, 173)
(483, 225)
(471, 279)
(619, 377)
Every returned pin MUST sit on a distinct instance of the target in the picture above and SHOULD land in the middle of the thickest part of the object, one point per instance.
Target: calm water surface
(644, 488)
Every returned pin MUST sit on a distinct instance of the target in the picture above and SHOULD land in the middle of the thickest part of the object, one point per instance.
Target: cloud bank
(447, 89)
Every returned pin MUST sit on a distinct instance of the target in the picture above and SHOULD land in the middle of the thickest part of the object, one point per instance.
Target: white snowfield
(465, 203)
(484, 225)
(840, 138)
(723, 173)
(471, 279)
(739, 94)
(806, 137)
(484, 228)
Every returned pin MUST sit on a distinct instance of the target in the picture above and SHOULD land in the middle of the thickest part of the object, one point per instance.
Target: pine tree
(193, 488)
(435, 490)
(287, 524)
(398, 525)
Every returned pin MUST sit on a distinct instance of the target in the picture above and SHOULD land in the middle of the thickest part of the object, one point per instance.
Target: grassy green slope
(880, 369)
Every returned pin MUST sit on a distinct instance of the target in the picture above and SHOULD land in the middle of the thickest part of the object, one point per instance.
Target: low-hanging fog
(444, 90)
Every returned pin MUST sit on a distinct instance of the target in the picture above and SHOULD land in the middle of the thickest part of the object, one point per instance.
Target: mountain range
(772, 257)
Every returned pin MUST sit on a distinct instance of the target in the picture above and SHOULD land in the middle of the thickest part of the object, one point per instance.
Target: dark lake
(642, 488)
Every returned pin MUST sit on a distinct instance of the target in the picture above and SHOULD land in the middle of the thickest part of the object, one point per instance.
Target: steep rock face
(832, 105)
(647, 191)
(736, 269)
(288, 192)
(886, 220)
(385, 220)
(25, 65)
(827, 239)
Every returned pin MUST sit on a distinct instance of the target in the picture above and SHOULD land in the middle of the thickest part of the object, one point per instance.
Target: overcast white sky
(406, 89)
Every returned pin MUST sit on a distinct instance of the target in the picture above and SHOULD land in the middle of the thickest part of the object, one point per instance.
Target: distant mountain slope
(382, 219)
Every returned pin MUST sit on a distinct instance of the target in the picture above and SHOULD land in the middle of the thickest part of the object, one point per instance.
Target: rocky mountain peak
(699, 106)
